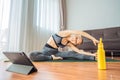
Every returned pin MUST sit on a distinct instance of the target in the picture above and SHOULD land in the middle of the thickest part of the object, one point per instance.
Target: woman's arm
(82, 33)
(79, 51)
(95, 41)
(78, 32)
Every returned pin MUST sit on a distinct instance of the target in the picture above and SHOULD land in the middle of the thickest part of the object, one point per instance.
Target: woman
(69, 38)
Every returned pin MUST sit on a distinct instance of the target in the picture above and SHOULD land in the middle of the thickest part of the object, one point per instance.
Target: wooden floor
(65, 71)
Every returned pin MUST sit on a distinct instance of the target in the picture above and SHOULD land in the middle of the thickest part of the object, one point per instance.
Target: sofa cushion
(109, 44)
(110, 36)
(112, 33)
(112, 44)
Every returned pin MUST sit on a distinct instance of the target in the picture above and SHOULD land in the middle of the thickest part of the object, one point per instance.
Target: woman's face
(75, 39)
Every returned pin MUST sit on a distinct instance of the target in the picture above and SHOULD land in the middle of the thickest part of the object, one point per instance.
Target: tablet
(20, 63)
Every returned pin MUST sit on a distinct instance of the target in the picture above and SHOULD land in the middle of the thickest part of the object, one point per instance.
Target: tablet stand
(23, 69)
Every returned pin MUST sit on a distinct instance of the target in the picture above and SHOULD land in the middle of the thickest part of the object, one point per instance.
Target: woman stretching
(69, 38)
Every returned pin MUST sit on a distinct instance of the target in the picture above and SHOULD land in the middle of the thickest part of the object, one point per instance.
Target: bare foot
(56, 58)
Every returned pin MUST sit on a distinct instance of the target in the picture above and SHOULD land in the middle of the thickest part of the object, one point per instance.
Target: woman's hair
(82, 41)
(79, 36)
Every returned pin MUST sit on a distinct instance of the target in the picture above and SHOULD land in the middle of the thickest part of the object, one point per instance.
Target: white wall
(92, 14)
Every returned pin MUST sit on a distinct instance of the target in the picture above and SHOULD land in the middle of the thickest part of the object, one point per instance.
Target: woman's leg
(74, 55)
(44, 55)
(38, 56)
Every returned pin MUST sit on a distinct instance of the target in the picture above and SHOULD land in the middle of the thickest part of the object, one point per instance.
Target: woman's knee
(34, 55)
(38, 56)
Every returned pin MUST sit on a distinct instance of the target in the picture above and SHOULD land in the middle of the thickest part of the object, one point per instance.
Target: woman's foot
(56, 58)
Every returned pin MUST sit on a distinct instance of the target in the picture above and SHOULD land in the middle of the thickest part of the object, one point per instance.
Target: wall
(92, 14)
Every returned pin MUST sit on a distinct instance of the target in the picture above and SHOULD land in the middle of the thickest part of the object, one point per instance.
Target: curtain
(38, 19)
(30, 23)
(14, 25)
(62, 14)
(62, 6)
(4, 22)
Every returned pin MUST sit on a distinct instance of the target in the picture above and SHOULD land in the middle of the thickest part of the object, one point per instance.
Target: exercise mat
(76, 60)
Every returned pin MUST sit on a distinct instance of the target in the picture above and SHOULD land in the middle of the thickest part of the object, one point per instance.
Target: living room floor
(65, 71)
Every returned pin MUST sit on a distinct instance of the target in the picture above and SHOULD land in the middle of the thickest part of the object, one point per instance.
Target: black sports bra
(57, 39)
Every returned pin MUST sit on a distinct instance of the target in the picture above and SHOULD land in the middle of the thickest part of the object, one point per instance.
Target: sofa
(110, 37)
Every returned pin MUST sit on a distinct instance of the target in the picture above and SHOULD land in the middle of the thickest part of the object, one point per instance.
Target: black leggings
(46, 53)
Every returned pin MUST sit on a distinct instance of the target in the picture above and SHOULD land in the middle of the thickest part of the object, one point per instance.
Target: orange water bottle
(101, 56)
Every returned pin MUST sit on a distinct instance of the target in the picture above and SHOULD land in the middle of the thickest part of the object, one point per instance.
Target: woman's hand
(95, 42)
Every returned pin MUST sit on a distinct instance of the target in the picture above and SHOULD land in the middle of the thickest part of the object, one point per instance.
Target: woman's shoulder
(64, 33)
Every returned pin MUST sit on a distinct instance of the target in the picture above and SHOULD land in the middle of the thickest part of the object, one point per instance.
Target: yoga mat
(74, 60)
